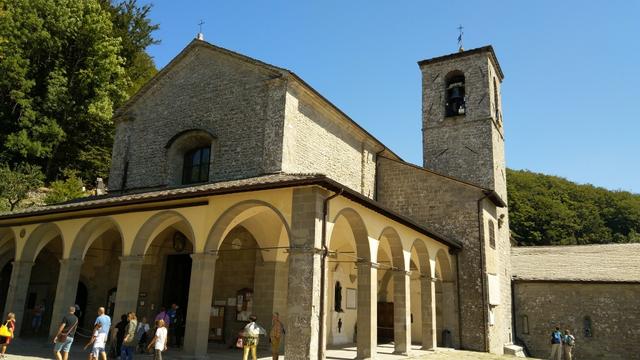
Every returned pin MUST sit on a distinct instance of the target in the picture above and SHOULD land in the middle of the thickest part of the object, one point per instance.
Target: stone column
(196, 338)
(367, 323)
(428, 305)
(303, 297)
(17, 293)
(65, 291)
(402, 312)
(449, 310)
(128, 284)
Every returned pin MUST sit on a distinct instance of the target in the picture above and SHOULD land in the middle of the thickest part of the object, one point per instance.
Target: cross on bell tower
(460, 34)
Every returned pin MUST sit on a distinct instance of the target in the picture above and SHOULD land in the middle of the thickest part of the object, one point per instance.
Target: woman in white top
(159, 341)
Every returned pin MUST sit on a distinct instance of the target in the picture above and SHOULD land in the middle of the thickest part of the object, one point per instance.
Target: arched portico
(245, 257)
(7, 256)
(349, 245)
(423, 288)
(446, 300)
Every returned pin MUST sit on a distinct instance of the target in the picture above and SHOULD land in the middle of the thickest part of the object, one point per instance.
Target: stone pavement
(33, 349)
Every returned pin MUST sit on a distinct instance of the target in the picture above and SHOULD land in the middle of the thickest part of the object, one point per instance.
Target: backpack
(556, 337)
(570, 340)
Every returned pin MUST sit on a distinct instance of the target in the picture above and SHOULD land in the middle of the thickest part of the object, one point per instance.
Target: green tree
(66, 65)
(65, 190)
(16, 184)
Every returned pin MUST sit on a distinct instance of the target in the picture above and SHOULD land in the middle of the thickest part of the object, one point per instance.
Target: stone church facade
(237, 188)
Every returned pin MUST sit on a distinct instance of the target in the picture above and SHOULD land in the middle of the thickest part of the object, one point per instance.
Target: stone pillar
(17, 293)
(128, 284)
(367, 323)
(428, 305)
(68, 279)
(303, 298)
(402, 312)
(449, 311)
(196, 337)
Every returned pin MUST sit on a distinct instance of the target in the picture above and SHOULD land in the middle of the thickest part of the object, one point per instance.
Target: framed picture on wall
(352, 298)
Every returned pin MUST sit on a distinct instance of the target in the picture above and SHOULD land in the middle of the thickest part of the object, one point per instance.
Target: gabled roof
(485, 49)
(195, 43)
(577, 263)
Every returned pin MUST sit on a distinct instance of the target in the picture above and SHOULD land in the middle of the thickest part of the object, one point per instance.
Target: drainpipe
(324, 252)
(458, 291)
(375, 188)
(484, 274)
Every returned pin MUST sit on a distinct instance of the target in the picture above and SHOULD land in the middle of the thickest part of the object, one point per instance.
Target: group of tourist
(130, 336)
(562, 345)
(127, 337)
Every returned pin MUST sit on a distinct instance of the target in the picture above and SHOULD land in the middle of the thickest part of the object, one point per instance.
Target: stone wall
(468, 147)
(239, 103)
(318, 140)
(450, 208)
(612, 308)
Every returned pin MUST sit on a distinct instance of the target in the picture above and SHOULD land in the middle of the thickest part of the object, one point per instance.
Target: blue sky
(572, 68)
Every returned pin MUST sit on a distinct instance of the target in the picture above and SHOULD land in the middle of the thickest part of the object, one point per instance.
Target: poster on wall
(244, 304)
(352, 299)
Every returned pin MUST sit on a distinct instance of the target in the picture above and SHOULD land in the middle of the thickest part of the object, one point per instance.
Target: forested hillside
(549, 210)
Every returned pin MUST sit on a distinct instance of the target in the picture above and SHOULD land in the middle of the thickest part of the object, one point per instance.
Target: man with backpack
(556, 344)
(569, 342)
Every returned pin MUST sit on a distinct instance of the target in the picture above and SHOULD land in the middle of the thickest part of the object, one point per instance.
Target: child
(98, 340)
(159, 341)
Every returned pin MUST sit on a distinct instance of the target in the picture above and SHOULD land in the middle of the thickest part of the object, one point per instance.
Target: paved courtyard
(39, 349)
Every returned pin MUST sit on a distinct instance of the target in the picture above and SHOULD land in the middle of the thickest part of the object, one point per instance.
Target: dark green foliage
(65, 190)
(66, 65)
(549, 210)
(17, 183)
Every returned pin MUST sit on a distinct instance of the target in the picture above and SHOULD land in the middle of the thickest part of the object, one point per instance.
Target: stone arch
(395, 244)
(7, 246)
(443, 264)
(179, 145)
(359, 229)
(237, 214)
(38, 239)
(423, 257)
(157, 223)
(90, 232)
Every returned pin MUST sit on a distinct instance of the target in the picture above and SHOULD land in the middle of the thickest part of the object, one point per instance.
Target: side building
(590, 290)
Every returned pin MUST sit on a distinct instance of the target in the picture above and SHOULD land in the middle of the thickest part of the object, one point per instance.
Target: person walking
(104, 320)
(129, 342)
(556, 344)
(159, 341)
(569, 342)
(10, 323)
(36, 321)
(250, 335)
(141, 334)
(120, 332)
(275, 335)
(99, 341)
(173, 325)
(64, 337)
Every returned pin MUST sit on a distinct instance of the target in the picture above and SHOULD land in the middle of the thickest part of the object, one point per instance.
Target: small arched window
(196, 166)
(337, 297)
(455, 94)
(492, 234)
(587, 327)
(496, 99)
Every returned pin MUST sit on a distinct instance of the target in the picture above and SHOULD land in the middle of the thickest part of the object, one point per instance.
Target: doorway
(5, 278)
(176, 281)
(81, 300)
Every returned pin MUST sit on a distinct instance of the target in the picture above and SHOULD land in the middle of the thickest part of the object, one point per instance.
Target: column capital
(16, 263)
(204, 257)
(71, 262)
(428, 278)
(299, 250)
(131, 258)
(401, 271)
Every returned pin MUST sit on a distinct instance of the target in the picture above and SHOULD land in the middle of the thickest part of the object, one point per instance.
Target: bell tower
(462, 129)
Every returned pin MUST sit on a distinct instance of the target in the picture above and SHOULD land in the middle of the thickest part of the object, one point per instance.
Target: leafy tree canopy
(65, 190)
(66, 65)
(16, 184)
(549, 210)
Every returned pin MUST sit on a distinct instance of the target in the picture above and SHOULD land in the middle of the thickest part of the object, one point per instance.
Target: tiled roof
(591, 263)
(178, 192)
